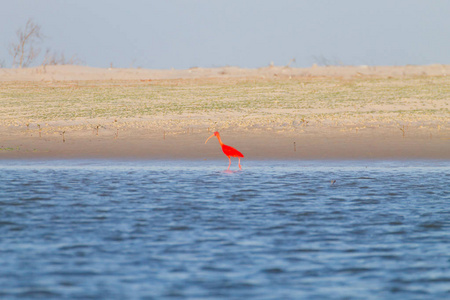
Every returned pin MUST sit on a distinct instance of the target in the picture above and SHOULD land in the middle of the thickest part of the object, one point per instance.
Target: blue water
(89, 229)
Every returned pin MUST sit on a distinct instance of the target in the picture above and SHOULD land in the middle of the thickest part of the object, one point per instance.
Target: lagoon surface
(107, 229)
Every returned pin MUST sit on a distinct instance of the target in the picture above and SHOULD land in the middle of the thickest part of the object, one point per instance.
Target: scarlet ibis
(228, 150)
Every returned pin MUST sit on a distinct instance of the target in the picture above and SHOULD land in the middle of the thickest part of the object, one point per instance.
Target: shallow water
(83, 229)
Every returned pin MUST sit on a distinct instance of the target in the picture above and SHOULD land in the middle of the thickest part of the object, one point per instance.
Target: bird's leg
(240, 168)
(229, 158)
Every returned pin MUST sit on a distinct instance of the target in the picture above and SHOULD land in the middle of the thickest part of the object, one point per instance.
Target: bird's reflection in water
(231, 171)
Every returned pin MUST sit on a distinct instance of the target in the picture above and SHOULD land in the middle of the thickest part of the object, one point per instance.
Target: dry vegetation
(281, 104)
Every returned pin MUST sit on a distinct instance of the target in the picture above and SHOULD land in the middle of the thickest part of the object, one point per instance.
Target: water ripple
(277, 230)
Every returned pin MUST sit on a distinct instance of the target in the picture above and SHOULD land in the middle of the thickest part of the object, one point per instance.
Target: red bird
(228, 150)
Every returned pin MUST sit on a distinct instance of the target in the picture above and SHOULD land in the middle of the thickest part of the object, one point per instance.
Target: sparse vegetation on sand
(239, 103)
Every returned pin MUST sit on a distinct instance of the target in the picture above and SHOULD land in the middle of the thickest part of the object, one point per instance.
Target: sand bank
(268, 113)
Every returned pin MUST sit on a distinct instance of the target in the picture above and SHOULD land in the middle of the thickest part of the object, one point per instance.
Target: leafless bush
(24, 50)
(55, 58)
(324, 61)
(292, 61)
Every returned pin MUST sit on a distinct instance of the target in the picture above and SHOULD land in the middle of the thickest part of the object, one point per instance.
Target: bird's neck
(220, 141)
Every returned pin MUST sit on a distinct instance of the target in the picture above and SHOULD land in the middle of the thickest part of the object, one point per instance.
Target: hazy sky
(206, 33)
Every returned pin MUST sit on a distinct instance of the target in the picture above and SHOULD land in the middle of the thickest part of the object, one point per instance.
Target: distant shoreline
(75, 73)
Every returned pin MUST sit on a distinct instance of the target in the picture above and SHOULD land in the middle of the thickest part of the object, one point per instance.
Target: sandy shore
(268, 113)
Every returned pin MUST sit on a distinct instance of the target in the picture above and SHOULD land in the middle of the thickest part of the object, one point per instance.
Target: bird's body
(228, 150)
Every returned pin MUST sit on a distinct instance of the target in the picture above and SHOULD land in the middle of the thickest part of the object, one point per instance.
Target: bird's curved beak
(209, 138)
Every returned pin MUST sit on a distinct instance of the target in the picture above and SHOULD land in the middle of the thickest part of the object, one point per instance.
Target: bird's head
(214, 134)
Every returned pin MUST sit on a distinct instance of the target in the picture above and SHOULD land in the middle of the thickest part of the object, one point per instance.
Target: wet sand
(259, 145)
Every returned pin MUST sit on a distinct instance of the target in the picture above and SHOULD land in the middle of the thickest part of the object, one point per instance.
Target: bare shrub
(55, 58)
(324, 61)
(24, 51)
